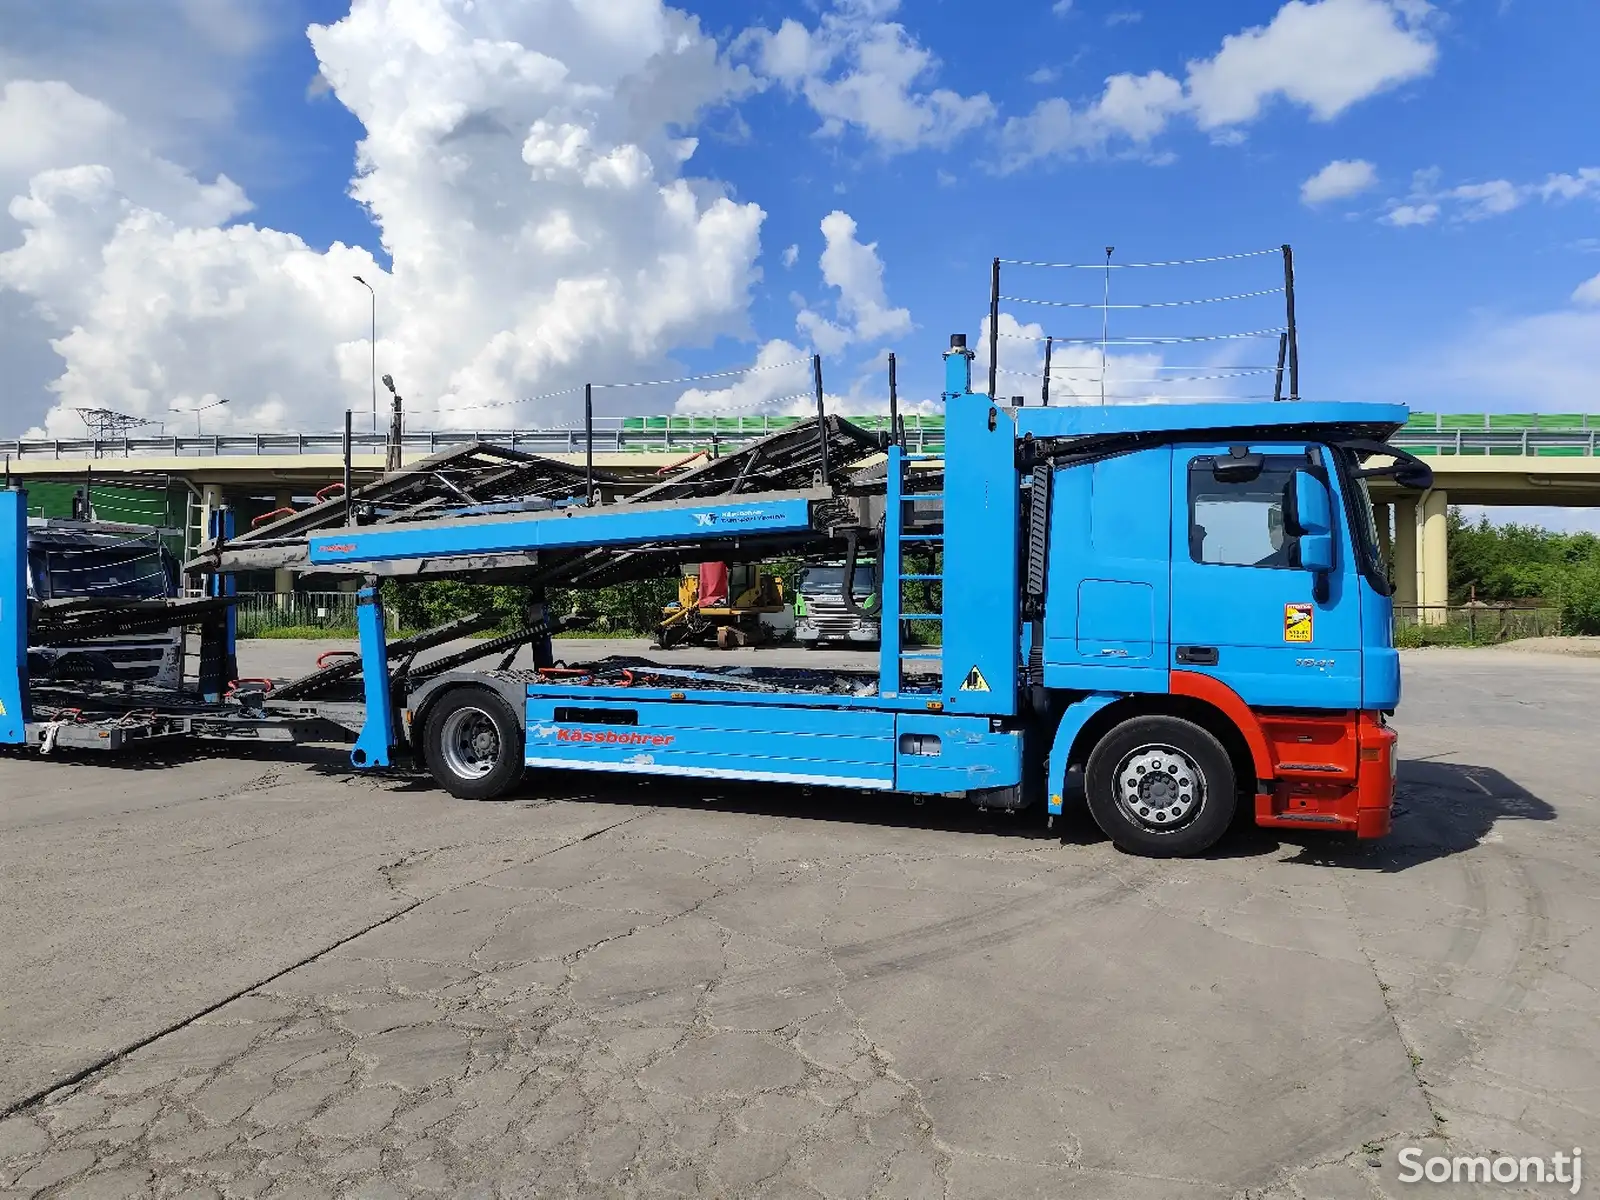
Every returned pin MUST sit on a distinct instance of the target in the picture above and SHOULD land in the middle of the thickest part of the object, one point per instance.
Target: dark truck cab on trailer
(82, 563)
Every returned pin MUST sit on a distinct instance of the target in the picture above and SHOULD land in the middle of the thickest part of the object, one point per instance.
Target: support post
(376, 739)
(994, 327)
(894, 405)
(210, 505)
(1405, 552)
(822, 425)
(1435, 556)
(1277, 379)
(588, 443)
(1044, 392)
(219, 637)
(349, 508)
(283, 577)
(1290, 333)
(889, 571)
(14, 712)
(957, 370)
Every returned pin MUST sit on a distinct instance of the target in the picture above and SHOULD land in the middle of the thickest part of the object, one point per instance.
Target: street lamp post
(374, 296)
(220, 400)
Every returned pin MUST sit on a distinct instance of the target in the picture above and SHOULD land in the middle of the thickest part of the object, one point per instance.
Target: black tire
(473, 744)
(1161, 787)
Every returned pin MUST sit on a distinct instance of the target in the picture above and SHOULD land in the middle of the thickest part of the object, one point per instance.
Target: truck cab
(821, 616)
(80, 562)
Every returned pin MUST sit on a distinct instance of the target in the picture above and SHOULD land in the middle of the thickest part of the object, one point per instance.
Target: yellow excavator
(721, 603)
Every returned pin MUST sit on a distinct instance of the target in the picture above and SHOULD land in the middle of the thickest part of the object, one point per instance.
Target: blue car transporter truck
(1181, 605)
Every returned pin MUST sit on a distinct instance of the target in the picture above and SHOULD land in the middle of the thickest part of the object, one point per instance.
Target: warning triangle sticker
(975, 682)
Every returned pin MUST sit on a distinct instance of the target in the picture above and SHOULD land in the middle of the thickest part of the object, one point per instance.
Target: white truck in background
(821, 617)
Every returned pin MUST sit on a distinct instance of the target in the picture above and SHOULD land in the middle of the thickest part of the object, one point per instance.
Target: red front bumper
(1333, 773)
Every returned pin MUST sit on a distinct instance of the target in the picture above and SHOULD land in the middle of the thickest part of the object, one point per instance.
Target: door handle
(1197, 656)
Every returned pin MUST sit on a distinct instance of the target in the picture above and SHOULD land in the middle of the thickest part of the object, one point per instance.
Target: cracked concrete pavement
(265, 977)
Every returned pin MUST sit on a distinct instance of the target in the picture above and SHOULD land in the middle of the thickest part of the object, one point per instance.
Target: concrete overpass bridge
(1494, 459)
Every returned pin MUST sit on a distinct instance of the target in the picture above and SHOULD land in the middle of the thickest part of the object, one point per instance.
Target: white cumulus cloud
(1326, 55)
(858, 70)
(524, 165)
(1427, 201)
(1323, 55)
(1339, 180)
(1134, 107)
(855, 272)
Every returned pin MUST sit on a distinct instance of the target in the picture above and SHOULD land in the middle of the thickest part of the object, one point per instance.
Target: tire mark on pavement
(115, 1056)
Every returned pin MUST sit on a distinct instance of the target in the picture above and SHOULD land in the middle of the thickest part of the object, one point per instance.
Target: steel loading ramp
(486, 514)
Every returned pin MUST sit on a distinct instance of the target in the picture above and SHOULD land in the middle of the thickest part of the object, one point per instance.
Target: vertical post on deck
(994, 327)
(889, 572)
(894, 405)
(377, 733)
(588, 443)
(1277, 379)
(14, 714)
(1290, 332)
(822, 425)
(348, 508)
(219, 660)
(1044, 392)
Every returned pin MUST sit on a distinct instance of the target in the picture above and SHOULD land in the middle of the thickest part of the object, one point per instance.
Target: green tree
(1501, 563)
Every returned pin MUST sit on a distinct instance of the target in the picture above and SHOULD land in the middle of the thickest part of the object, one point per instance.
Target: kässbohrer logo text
(612, 737)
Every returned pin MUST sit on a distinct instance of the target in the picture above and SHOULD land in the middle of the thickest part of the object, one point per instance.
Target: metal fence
(1472, 624)
(1426, 434)
(261, 614)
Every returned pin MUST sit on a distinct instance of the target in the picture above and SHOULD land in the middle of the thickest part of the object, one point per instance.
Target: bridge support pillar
(283, 579)
(210, 502)
(1435, 557)
(1405, 557)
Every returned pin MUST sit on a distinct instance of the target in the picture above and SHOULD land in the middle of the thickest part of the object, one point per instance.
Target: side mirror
(1308, 519)
(1307, 507)
(1314, 552)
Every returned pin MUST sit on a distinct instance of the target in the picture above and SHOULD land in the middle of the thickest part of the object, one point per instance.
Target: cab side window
(1238, 524)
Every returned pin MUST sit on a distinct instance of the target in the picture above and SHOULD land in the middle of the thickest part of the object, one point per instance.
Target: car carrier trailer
(1180, 606)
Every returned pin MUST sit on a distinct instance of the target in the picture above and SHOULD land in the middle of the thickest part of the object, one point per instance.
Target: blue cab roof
(1261, 418)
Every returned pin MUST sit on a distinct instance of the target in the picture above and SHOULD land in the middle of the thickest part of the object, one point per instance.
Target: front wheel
(473, 744)
(1161, 787)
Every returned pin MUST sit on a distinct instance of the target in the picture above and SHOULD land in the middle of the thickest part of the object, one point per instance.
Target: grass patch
(315, 633)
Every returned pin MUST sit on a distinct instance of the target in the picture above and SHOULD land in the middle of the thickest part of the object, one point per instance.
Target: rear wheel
(1161, 787)
(473, 744)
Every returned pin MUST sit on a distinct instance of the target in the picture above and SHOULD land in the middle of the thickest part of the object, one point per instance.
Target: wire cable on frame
(1148, 341)
(1176, 262)
(1151, 304)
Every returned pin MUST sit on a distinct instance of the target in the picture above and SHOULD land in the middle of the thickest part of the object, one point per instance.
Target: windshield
(816, 581)
(1363, 525)
(131, 573)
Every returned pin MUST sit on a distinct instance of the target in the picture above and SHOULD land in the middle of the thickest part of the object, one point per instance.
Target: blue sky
(1442, 260)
